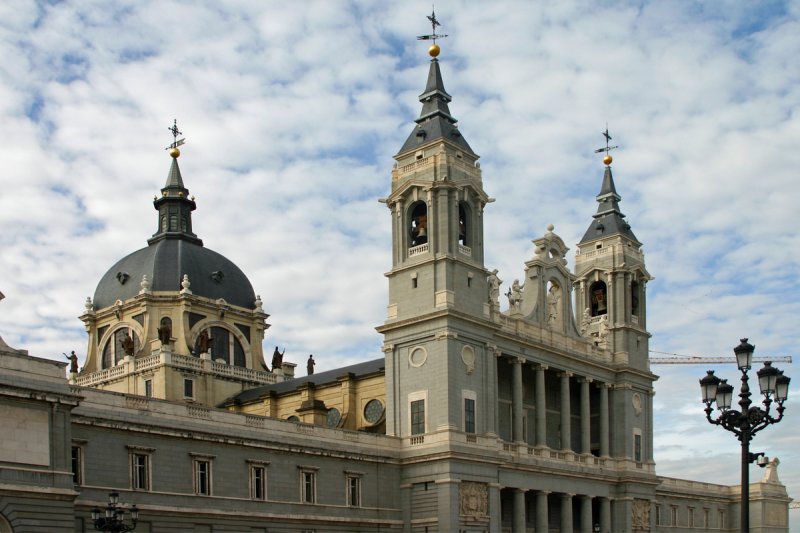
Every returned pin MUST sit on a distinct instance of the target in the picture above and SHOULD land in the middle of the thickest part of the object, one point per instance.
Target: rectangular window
(148, 388)
(140, 471)
(258, 483)
(469, 415)
(706, 519)
(308, 488)
(673, 516)
(77, 465)
(202, 477)
(658, 515)
(691, 516)
(354, 491)
(417, 417)
(721, 524)
(188, 388)
(637, 447)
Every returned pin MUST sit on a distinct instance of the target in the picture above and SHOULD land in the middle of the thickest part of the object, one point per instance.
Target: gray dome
(165, 262)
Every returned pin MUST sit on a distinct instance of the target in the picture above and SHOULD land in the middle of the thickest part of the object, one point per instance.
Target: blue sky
(292, 112)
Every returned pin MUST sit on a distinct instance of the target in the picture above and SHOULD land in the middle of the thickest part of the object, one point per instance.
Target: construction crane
(667, 358)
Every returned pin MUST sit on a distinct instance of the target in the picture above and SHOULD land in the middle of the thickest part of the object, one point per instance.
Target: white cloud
(292, 115)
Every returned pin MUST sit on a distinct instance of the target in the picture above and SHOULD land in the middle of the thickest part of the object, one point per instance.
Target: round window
(293, 419)
(373, 412)
(334, 417)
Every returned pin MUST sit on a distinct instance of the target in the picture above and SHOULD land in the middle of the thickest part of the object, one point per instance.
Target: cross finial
(433, 35)
(175, 132)
(607, 159)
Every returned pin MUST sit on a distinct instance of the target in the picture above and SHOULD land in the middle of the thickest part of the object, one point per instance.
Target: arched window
(464, 229)
(598, 294)
(224, 345)
(122, 341)
(418, 224)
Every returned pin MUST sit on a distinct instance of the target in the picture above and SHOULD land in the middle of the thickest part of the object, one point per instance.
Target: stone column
(604, 425)
(566, 513)
(495, 513)
(566, 423)
(405, 503)
(605, 515)
(541, 408)
(490, 402)
(517, 411)
(519, 511)
(542, 521)
(586, 436)
(447, 492)
(586, 513)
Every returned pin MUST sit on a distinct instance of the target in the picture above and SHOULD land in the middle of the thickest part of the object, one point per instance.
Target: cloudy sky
(293, 110)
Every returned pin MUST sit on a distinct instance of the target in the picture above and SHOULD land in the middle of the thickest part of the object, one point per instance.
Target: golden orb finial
(174, 153)
(434, 50)
(607, 160)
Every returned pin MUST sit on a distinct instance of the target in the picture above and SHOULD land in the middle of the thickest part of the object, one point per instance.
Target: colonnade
(586, 517)
(566, 409)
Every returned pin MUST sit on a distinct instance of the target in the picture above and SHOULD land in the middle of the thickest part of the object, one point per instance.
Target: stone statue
(553, 299)
(204, 341)
(494, 288)
(277, 358)
(165, 333)
(585, 320)
(310, 365)
(515, 295)
(602, 332)
(73, 362)
(127, 344)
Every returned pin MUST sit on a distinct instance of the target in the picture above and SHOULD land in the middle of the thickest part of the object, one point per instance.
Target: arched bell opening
(464, 229)
(598, 294)
(418, 224)
(635, 298)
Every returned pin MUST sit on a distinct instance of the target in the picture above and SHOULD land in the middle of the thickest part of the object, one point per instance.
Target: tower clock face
(373, 411)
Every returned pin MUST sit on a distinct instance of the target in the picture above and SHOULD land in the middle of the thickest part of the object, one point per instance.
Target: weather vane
(607, 159)
(433, 35)
(175, 132)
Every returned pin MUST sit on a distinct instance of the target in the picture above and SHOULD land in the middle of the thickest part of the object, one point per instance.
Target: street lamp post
(750, 419)
(112, 519)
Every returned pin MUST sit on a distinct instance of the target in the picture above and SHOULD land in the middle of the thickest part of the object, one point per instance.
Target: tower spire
(174, 206)
(608, 220)
(435, 121)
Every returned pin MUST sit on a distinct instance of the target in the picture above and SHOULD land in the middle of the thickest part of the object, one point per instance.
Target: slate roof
(608, 220)
(435, 121)
(330, 376)
(173, 252)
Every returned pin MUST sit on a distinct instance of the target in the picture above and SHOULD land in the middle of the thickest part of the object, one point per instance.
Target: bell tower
(438, 323)
(437, 202)
(611, 280)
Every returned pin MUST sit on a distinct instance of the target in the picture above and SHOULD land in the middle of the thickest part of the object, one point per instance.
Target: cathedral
(526, 411)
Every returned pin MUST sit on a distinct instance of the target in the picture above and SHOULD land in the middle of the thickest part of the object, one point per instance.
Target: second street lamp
(750, 419)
